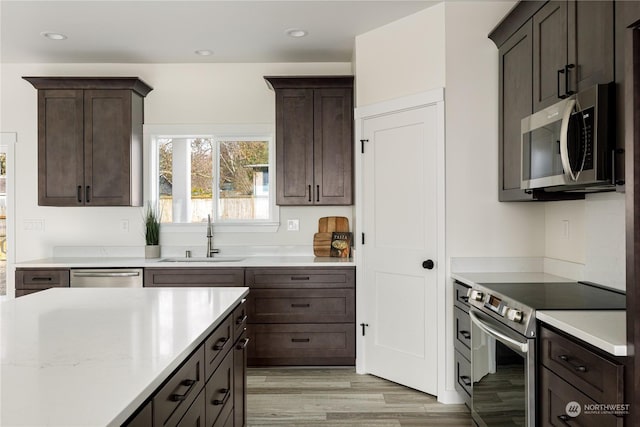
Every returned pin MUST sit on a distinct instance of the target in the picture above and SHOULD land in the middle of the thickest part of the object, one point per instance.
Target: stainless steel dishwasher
(106, 278)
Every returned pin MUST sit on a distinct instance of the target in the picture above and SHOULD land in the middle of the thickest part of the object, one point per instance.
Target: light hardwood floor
(339, 397)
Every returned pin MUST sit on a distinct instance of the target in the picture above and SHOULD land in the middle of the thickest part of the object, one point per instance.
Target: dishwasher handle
(105, 274)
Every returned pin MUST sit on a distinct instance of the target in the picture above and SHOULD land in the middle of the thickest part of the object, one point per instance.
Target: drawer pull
(579, 368)
(465, 334)
(220, 343)
(42, 279)
(465, 380)
(240, 320)
(300, 277)
(300, 340)
(227, 394)
(300, 305)
(180, 397)
(243, 344)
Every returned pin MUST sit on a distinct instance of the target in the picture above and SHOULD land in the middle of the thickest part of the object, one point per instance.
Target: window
(221, 173)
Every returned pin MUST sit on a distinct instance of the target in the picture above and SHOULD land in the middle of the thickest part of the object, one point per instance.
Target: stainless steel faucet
(210, 249)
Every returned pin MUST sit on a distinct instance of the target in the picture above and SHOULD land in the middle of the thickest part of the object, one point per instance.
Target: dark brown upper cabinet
(90, 140)
(314, 140)
(573, 48)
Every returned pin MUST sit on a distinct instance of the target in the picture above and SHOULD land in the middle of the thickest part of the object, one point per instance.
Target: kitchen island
(92, 357)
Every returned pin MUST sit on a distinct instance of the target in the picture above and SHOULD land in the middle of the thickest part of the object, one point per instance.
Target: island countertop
(90, 357)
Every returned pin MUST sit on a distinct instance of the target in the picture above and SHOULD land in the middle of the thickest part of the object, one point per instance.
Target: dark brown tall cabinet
(90, 140)
(314, 140)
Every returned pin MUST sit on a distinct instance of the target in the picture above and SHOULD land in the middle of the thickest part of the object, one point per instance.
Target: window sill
(227, 227)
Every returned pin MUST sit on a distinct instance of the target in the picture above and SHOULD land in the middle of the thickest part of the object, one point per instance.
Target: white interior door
(400, 223)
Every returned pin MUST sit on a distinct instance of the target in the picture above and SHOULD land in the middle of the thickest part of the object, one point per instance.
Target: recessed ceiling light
(203, 52)
(53, 36)
(296, 32)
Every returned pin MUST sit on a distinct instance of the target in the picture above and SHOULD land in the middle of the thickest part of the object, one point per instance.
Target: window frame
(217, 132)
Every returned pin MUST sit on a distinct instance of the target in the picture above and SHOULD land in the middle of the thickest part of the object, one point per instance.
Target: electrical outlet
(565, 229)
(124, 225)
(293, 225)
(36, 224)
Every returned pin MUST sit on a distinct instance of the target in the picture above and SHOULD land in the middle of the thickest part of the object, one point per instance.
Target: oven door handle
(508, 341)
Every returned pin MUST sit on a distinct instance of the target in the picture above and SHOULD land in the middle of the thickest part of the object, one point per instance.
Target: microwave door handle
(509, 342)
(564, 140)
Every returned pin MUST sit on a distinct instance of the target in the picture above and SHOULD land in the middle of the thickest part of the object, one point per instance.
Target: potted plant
(152, 232)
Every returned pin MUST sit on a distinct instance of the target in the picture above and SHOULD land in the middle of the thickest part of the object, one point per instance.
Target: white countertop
(472, 279)
(248, 261)
(90, 357)
(606, 330)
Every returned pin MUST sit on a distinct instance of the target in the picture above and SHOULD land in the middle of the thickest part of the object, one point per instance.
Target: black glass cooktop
(561, 296)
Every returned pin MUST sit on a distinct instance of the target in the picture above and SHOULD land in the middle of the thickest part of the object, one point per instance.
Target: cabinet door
(549, 53)
(107, 157)
(294, 147)
(515, 104)
(60, 148)
(240, 381)
(591, 47)
(333, 146)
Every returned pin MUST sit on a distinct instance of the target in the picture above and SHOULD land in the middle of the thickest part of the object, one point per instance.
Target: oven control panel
(496, 305)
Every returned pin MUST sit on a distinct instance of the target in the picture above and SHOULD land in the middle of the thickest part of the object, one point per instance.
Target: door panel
(400, 224)
(549, 53)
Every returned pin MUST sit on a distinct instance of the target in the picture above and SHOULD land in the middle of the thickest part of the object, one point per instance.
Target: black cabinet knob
(428, 264)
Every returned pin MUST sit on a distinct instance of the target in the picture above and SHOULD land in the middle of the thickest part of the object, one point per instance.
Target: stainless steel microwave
(568, 146)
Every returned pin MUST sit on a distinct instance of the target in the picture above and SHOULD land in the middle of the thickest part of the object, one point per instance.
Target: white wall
(183, 93)
(401, 58)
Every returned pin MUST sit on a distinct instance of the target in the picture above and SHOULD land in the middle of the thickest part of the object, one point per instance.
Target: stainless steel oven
(503, 374)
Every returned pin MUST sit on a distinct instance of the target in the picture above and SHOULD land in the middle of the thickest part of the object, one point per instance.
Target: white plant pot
(152, 251)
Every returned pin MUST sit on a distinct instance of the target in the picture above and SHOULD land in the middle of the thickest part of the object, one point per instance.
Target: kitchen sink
(202, 259)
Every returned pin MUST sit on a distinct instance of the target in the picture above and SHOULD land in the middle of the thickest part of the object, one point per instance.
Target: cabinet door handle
(240, 320)
(567, 359)
(87, 192)
(300, 305)
(42, 279)
(300, 277)
(464, 299)
(180, 397)
(220, 344)
(567, 68)
(317, 193)
(465, 380)
(465, 334)
(309, 192)
(79, 193)
(227, 394)
(560, 71)
(243, 344)
(300, 340)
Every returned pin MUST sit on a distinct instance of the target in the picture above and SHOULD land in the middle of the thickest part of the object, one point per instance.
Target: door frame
(8, 141)
(423, 99)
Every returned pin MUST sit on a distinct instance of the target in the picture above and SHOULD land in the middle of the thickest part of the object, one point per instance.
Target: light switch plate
(293, 225)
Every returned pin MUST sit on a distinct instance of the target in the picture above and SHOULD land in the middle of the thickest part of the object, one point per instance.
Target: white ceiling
(170, 31)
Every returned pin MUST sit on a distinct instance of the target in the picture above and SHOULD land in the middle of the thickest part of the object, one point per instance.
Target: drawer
(194, 277)
(302, 305)
(239, 319)
(596, 376)
(307, 277)
(173, 399)
(555, 394)
(301, 344)
(195, 416)
(461, 299)
(42, 279)
(462, 342)
(219, 393)
(217, 345)
(463, 377)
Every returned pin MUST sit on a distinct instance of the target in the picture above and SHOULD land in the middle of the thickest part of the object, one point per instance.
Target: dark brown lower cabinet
(301, 316)
(574, 379)
(207, 390)
(462, 342)
(30, 280)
